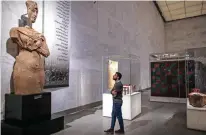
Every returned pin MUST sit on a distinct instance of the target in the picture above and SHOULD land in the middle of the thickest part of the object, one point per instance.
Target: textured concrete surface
(0, 39)
(102, 29)
(156, 119)
(186, 33)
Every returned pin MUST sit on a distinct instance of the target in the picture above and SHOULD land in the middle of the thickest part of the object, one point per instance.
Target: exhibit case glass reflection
(196, 88)
(129, 67)
(167, 72)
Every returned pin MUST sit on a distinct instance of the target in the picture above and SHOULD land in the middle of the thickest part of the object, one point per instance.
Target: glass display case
(176, 74)
(196, 61)
(167, 72)
(196, 88)
(129, 67)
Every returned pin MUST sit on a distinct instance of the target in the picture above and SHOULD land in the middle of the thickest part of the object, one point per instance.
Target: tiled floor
(156, 119)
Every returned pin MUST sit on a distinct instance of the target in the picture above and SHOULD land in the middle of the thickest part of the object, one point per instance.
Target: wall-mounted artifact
(112, 69)
(28, 72)
(57, 27)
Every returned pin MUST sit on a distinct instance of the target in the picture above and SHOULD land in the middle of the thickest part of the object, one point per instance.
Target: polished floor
(156, 119)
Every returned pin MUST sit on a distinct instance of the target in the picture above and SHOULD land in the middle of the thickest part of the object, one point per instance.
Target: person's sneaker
(120, 131)
(111, 131)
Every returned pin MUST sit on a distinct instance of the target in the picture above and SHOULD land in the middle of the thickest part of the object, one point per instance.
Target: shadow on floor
(137, 124)
(145, 110)
(178, 120)
(75, 116)
(177, 125)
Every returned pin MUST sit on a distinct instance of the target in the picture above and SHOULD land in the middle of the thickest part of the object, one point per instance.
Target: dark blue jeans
(117, 113)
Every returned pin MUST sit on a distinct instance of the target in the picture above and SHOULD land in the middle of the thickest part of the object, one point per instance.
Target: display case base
(196, 117)
(46, 127)
(131, 107)
(30, 115)
(28, 108)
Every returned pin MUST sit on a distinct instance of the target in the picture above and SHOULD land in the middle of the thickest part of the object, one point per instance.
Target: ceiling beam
(160, 12)
(204, 15)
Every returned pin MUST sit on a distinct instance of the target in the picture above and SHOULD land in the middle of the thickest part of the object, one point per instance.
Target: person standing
(117, 105)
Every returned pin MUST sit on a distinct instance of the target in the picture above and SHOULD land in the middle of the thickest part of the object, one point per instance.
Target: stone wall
(0, 56)
(187, 33)
(98, 29)
(104, 29)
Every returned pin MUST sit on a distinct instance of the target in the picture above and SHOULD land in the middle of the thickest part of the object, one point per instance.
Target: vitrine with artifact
(174, 76)
(129, 67)
(196, 102)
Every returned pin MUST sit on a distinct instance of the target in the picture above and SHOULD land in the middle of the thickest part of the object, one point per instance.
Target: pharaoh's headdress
(31, 4)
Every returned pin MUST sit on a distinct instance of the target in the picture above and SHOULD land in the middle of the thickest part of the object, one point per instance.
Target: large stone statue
(28, 73)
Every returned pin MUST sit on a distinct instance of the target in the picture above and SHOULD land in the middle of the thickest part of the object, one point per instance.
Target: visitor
(117, 105)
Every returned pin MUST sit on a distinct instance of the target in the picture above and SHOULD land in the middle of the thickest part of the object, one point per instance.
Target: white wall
(101, 29)
(0, 55)
(184, 34)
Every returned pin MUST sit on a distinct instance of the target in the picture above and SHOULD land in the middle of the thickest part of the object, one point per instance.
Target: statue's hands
(38, 43)
(34, 44)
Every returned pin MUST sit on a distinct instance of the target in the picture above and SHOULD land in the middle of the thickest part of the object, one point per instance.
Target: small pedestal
(30, 115)
(196, 117)
(131, 105)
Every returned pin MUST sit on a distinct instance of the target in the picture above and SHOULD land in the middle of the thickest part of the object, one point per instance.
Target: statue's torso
(32, 59)
(28, 71)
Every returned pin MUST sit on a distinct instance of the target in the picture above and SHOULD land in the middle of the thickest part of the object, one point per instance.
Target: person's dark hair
(119, 75)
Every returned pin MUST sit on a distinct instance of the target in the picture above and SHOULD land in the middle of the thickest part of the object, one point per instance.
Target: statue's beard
(33, 19)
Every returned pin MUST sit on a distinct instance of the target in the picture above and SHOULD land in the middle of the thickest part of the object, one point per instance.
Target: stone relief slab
(57, 15)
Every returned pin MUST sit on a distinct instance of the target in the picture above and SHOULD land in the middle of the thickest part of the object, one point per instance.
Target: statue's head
(32, 10)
